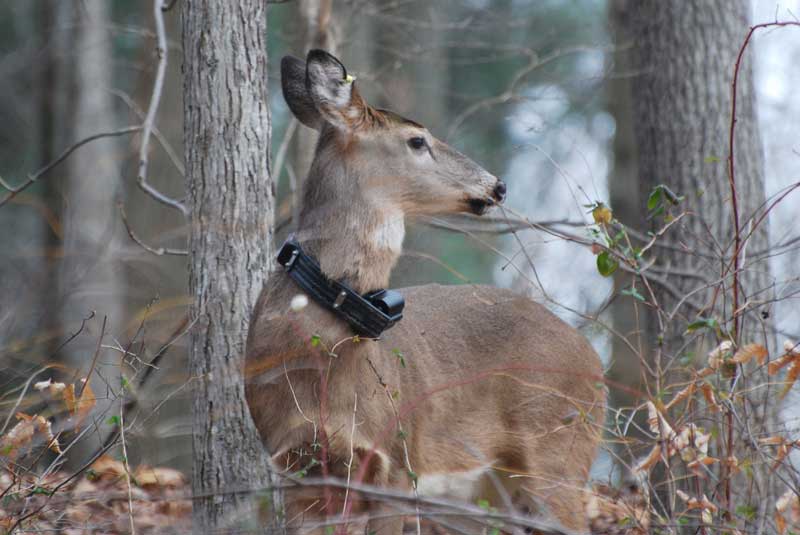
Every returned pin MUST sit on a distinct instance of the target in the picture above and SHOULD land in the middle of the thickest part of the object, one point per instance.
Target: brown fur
(491, 378)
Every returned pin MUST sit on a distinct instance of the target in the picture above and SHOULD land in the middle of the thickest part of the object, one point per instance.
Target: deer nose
(500, 190)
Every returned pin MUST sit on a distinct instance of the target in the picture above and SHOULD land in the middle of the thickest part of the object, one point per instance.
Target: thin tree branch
(16, 190)
(159, 251)
(149, 120)
(176, 160)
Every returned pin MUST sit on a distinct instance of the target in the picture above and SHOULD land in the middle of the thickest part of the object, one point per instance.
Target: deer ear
(333, 90)
(293, 83)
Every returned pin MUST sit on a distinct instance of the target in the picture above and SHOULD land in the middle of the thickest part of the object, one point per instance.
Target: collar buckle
(369, 314)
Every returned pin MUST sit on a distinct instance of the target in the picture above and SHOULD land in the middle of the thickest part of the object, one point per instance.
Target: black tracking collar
(369, 314)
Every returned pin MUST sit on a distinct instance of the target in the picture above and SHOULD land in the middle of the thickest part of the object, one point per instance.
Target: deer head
(372, 169)
(393, 159)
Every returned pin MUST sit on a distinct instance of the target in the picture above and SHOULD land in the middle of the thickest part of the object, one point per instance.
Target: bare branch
(149, 120)
(160, 251)
(16, 190)
(176, 160)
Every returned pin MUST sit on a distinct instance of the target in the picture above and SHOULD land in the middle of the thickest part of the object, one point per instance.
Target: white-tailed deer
(476, 394)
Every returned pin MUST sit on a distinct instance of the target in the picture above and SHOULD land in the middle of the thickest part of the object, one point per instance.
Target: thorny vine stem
(737, 245)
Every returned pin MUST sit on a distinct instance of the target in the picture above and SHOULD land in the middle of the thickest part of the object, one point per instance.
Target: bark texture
(682, 60)
(226, 138)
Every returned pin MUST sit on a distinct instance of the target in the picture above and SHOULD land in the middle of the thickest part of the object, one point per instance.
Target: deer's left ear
(333, 91)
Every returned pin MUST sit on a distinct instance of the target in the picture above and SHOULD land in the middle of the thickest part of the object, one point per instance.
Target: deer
(475, 393)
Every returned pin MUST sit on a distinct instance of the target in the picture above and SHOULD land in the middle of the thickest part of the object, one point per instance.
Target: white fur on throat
(389, 234)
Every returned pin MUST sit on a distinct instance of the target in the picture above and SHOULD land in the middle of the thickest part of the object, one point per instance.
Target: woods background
(572, 103)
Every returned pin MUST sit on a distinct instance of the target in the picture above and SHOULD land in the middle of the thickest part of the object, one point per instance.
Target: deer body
(473, 386)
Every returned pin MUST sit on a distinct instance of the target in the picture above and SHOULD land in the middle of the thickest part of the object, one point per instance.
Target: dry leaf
(788, 503)
(680, 396)
(648, 462)
(693, 503)
(717, 355)
(750, 351)
(780, 523)
(22, 434)
(658, 424)
(708, 394)
(158, 477)
(107, 468)
(618, 511)
(791, 377)
(79, 409)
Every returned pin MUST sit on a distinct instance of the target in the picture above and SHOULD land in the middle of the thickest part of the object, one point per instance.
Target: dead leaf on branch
(78, 409)
(750, 351)
(690, 442)
(784, 447)
(148, 477)
(706, 507)
(22, 435)
(717, 356)
(787, 511)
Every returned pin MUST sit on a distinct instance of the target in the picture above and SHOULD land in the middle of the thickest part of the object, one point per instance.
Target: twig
(16, 190)
(127, 466)
(352, 453)
(149, 120)
(737, 230)
(85, 383)
(176, 160)
(731, 166)
(160, 251)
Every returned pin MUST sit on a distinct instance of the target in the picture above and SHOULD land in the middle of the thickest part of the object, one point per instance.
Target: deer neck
(356, 238)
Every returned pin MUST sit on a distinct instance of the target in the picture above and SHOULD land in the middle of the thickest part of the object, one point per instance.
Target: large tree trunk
(683, 56)
(226, 139)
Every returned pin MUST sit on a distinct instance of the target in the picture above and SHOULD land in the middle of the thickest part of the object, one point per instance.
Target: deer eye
(416, 143)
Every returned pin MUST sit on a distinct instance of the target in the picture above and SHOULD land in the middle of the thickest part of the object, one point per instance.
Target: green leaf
(399, 354)
(654, 198)
(606, 265)
(683, 521)
(702, 323)
(747, 511)
(633, 292)
(711, 159)
(315, 340)
(483, 504)
(114, 420)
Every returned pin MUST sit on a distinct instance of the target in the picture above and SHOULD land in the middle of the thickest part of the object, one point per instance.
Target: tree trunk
(90, 277)
(226, 140)
(683, 56)
(628, 316)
